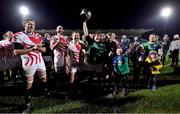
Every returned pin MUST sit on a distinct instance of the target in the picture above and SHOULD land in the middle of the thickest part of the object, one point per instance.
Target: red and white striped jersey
(75, 50)
(4, 43)
(28, 41)
(61, 48)
(6, 48)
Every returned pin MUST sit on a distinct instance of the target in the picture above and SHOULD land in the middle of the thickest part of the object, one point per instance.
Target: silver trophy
(85, 14)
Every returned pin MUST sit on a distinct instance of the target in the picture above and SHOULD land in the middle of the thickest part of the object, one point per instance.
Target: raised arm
(131, 49)
(85, 29)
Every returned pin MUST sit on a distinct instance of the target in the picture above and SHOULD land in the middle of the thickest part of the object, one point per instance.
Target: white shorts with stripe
(30, 70)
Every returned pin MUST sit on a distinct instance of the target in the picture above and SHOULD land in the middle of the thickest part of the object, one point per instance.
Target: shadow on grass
(169, 78)
(106, 105)
(175, 72)
(161, 83)
(11, 91)
(92, 95)
(112, 102)
(11, 108)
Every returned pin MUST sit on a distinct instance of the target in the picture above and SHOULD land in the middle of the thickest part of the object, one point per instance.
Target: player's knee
(43, 77)
(58, 69)
(29, 84)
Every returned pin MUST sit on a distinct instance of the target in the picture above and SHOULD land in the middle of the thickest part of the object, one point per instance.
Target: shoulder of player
(1, 42)
(19, 33)
(37, 34)
(54, 36)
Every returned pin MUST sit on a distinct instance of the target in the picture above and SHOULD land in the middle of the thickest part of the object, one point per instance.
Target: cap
(152, 52)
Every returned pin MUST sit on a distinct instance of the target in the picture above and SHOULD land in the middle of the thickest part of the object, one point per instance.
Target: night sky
(114, 14)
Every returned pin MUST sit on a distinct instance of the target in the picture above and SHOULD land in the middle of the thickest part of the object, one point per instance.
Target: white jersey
(8, 60)
(33, 57)
(4, 43)
(175, 45)
(60, 49)
(74, 51)
(8, 49)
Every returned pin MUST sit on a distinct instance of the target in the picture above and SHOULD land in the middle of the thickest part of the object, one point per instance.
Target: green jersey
(151, 46)
(121, 64)
(96, 52)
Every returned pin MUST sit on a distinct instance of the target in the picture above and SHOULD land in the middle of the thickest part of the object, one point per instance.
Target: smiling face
(97, 37)
(112, 37)
(8, 35)
(59, 29)
(165, 37)
(75, 36)
(29, 26)
(152, 38)
(119, 51)
(153, 56)
(47, 36)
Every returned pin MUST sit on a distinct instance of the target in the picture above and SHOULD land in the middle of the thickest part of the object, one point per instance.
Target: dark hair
(153, 33)
(27, 20)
